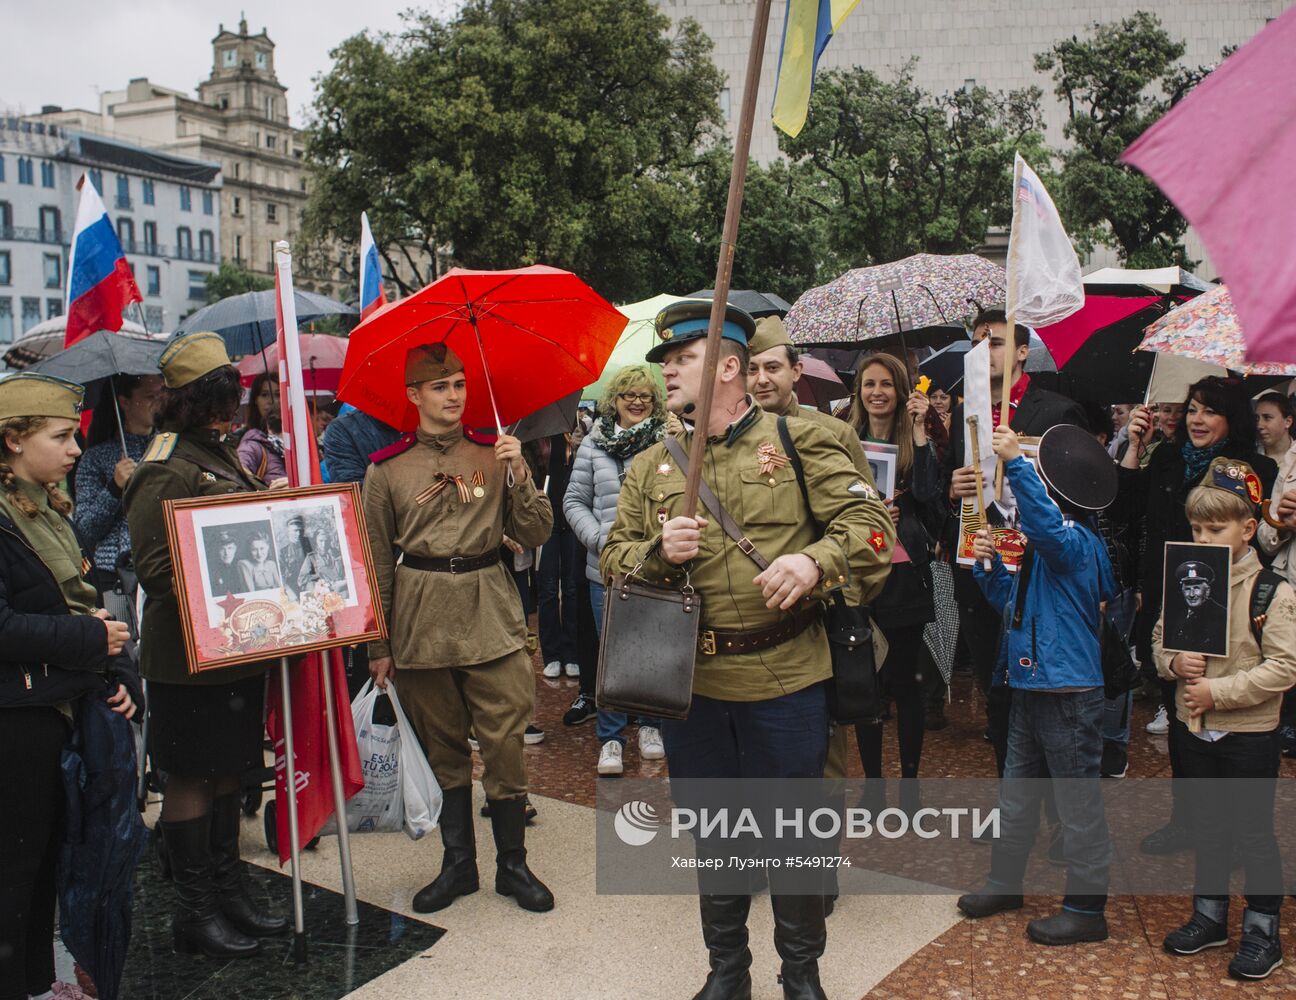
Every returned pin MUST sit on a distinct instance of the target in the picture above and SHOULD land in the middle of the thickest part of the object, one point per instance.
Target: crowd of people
(540, 527)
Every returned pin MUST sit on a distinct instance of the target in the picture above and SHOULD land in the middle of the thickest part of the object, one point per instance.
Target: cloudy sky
(65, 53)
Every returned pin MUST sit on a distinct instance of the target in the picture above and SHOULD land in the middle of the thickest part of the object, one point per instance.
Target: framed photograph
(882, 460)
(264, 575)
(1002, 515)
(1195, 599)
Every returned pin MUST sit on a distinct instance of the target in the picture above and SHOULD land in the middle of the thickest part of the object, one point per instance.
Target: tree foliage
(234, 279)
(894, 170)
(567, 132)
(1114, 84)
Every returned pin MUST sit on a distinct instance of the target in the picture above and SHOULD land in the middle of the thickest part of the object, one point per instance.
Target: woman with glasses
(631, 418)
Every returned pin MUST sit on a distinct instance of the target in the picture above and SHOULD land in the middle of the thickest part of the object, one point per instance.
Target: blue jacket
(1056, 643)
(348, 442)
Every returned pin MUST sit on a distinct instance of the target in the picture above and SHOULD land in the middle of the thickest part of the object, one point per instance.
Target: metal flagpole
(290, 785)
(291, 363)
(724, 266)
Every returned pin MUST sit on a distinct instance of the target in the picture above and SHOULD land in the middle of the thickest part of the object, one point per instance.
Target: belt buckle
(453, 560)
(707, 642)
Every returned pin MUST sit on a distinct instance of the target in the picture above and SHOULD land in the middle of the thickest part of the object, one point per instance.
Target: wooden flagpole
(724, 266)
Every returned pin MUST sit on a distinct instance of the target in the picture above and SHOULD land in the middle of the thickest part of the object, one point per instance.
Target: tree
(234, 279)
(894, 170)
(1114, 84)
(566, 132)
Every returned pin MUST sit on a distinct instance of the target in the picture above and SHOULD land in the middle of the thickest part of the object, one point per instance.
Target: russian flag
(371, 289)
(100, 282)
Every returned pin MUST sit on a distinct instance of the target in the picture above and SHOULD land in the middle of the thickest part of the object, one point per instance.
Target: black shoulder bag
(853, 694)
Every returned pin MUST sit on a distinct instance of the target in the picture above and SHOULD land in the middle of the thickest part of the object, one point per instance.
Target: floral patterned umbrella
(1207, 328)
(917, 293)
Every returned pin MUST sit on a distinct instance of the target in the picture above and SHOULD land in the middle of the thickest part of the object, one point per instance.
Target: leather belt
(455, 564)
(715, 642)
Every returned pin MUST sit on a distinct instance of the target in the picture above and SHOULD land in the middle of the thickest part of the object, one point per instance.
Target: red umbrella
(322, 356)
(818, 383)
(527, 338)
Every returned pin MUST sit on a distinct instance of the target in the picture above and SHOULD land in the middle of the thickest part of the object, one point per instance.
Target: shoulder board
(402, 444)
(161, 447)
(484, 437)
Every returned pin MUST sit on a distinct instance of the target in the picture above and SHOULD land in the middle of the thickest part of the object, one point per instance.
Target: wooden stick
(980, 488)
(1005, 412)
(724, 266)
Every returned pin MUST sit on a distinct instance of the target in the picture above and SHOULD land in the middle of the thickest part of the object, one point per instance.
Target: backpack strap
(1262, 594)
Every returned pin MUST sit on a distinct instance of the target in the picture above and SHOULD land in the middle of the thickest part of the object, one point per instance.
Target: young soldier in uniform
(443, 503)
(761, 712)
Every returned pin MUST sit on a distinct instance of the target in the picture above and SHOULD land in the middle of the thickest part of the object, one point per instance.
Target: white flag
(1044, 283)
(976, 401)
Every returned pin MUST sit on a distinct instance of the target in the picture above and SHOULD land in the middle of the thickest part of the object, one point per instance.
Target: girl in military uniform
(56, 648)
(206, 729)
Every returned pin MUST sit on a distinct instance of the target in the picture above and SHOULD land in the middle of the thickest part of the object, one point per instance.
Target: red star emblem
(229, 604)
(878, 541)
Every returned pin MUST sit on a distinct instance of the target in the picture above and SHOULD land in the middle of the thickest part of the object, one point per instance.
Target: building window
(223, 103)
(53, 307)
(207, 203)
(30, 313)
(236, 171)
(153, 275)
(198, 285)
(52, 265)
(6, 273)
(51, 225)
(2, 176)
(153, 319)
(123, 191)
(6, 320)
(184, 243)
(206, 245)
(229, 57)
(262, 60)
(238, 249)
(238, 205)
(47, 175)
(186, 198)
(150, 238)
(96, 178)
(272, 212)
(6, 220)
(148, 192)
(24, 170)
(271, 141)
(126, 234)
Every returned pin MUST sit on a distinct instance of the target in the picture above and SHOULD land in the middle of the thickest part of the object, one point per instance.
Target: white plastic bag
(419, 788)
(379, 806)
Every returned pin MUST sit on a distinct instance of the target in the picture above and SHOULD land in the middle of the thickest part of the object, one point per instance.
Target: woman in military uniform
(205, 729)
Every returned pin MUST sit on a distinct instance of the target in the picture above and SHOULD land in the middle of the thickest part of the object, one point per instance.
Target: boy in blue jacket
(1052, 617)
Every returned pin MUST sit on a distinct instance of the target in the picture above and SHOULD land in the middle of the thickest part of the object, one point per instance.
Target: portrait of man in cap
(1197, 576)
(292, 550)
(223, 576)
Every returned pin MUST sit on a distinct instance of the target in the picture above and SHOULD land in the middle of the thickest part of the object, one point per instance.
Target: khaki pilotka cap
(30, 394)
(430, 362)
(189, 358)
(770, 333)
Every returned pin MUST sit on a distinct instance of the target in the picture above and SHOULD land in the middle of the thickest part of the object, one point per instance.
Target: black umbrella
(247, 322)
(945, 367)
(755, 304)
(94, 360)
(556, 418)
(1108, 368)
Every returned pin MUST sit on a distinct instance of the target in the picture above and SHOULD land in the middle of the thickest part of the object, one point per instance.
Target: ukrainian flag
(808, 26)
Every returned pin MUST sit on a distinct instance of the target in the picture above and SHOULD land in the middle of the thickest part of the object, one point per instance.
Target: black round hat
(1075, 467)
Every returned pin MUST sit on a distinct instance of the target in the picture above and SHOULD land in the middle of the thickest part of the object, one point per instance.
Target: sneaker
(1115, 760)
(553, 669)
(1257, 956)
(1200, 933)
(650, 743)
(582, 710)
(533, 735)
(1160, 725)
(610, 758)
(1287, 740)
(573, 669)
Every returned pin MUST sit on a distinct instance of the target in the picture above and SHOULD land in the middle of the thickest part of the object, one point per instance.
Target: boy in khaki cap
(1226, 727)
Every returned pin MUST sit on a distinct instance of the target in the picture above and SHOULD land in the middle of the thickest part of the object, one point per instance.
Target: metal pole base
(299, 948)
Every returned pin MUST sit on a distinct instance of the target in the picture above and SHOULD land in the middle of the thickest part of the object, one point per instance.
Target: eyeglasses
(635, 397)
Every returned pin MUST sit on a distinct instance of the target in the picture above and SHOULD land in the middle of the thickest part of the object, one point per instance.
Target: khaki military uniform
(457, 639)
(197, 463)
(765, 499)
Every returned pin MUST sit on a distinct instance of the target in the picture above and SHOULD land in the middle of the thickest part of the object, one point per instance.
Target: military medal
(662, 512)
(208, 477)
(664, 469)
(769, 458)
(479, 484)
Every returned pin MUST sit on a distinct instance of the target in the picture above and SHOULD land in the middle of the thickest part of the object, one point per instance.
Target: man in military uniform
(442, 503)
(224, 572)
(761, 712)
(1202, 625)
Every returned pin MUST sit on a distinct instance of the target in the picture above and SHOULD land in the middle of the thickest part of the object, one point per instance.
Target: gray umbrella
(247, 321)
(755, 304)
(556, 418)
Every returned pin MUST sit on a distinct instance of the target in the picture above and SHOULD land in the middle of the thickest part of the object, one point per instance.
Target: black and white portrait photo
(1195, 603)
(239, 558)
(311, 556)
(882, 463)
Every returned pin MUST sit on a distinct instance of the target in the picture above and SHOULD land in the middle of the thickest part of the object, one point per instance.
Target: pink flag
(1224, 155)
(310, 735)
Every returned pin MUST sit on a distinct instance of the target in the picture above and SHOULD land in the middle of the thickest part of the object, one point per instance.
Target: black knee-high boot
(199, 926)
(799, 939)
(724, 929)
(459, 862)
(227, 873)
(512, 876)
